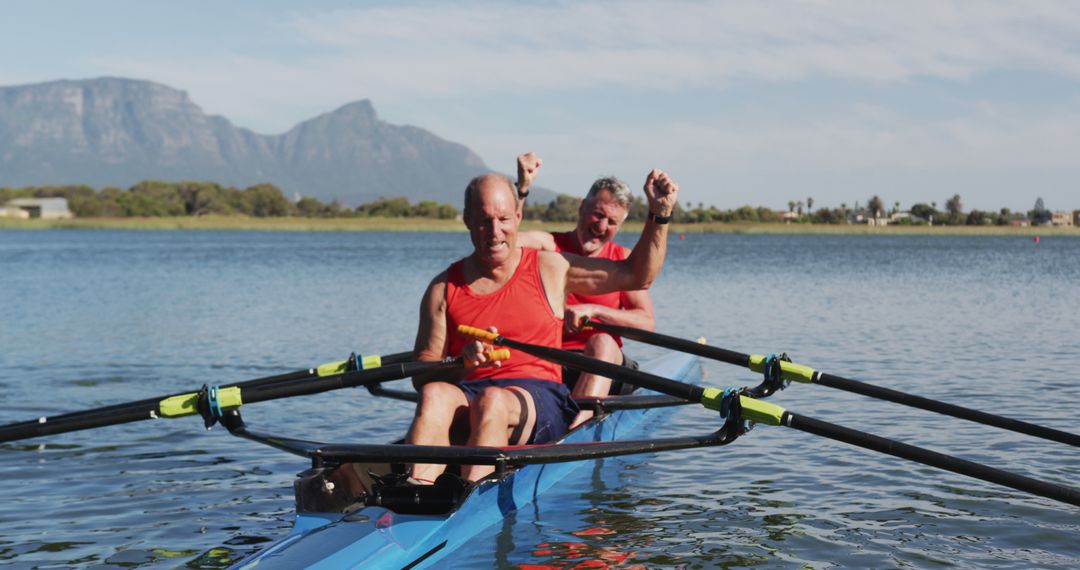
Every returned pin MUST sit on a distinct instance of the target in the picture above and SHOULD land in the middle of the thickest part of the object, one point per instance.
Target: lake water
(992, 323)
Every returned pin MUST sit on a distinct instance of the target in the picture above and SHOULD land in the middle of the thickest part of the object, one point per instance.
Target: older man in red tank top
(521, 293)
(601, 214)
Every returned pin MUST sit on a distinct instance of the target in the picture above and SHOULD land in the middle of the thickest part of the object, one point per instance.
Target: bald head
(492, 216)
(483, 185)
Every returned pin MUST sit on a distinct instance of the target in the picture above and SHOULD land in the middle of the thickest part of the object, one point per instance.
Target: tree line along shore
(153, 204)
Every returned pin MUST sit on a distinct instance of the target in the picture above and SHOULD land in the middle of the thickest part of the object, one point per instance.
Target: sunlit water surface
(93, 318)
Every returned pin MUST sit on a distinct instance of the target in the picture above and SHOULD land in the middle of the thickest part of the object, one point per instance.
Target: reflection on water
(94, 318)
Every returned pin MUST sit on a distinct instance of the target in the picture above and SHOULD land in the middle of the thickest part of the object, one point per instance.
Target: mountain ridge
(113, 131)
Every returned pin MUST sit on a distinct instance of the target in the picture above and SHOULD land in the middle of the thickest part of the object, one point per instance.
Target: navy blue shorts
(555, 409)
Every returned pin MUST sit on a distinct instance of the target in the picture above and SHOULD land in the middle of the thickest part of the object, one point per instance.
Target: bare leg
(602, 347)
(492, 418)
(440, 403)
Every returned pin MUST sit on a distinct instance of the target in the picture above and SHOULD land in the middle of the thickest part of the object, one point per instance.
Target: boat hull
(375, 537)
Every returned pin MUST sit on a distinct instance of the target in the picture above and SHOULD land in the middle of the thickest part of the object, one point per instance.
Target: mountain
(116, 132)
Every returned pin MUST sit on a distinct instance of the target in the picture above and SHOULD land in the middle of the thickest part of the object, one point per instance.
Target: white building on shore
(44, 208)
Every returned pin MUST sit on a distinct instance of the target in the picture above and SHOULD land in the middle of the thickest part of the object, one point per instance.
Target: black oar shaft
(911, 400)
(854, 386)
(635, 377)
(933, 458)
(261, 389)
(355, 379)
(675, 343)
(78, 421)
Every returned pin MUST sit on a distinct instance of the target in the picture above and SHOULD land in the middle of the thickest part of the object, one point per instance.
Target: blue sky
(743, 102)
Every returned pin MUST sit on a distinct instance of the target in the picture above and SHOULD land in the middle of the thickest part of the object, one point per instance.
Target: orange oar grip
(493, 356)
(499, 354)
(476, 334)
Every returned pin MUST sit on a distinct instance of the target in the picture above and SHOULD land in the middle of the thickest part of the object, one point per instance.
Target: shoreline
(236, 223)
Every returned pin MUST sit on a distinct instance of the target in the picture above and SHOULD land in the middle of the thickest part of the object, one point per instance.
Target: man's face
(598, 221)
(493, 222)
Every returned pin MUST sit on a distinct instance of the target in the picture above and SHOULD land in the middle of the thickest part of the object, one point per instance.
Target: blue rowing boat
(375, 536)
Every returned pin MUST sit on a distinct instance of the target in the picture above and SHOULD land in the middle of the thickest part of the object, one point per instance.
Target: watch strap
(661, 220)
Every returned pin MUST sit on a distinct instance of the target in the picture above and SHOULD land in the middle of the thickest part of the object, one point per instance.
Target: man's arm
(431, 342)
(430, 345)
(528, 165)
(637, 312)
(594, 275)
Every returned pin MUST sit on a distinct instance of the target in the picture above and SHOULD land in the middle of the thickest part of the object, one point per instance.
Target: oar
(799, 373)
(771, 414)
(210, 400)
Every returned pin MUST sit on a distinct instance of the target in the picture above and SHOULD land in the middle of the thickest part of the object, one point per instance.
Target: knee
(604, 347)
(437, 396)
(490, 403)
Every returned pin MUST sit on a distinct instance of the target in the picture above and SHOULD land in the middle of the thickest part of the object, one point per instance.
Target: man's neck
(580, 243)
(481, 275)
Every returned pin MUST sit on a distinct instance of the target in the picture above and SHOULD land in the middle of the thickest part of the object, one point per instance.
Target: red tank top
(519, 309)
(568, 242)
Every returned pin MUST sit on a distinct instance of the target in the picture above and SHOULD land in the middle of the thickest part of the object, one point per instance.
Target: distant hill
(116, 132)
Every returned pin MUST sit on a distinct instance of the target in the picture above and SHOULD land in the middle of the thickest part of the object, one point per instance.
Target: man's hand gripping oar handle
(493, 356)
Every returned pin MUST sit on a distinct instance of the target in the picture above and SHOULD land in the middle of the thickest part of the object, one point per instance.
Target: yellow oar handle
(187, 404)
(477, 334)
(499, 354)
(761, 412)
(482, 335)
(340, 366)
(788, 370)
(362, 363)
(752, 409)
(493, 356)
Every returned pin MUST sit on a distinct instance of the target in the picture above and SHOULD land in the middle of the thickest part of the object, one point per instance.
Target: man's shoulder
(536, 239)
(440, 280)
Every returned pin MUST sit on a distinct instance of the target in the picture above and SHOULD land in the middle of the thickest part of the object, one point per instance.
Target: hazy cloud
(646, 44)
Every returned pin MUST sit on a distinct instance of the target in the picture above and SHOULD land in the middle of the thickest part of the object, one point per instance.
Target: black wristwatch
(521, 195)
(661, 220)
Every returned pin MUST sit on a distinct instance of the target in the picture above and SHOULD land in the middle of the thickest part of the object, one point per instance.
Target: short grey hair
(474, 187)
(618, 189)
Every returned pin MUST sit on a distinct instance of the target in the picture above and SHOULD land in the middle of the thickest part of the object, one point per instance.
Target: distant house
(787, 216)
(44, 208)
(871, 221)
(1019, 221)
(1062, 218)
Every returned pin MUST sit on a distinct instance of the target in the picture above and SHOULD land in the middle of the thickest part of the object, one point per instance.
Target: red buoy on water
(682, 237)
(1036, 239)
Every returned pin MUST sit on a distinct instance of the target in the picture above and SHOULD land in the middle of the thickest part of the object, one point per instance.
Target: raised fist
(527, 165)
(662, 192)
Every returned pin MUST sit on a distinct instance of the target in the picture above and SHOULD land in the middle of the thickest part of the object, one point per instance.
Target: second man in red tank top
(601, 214)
